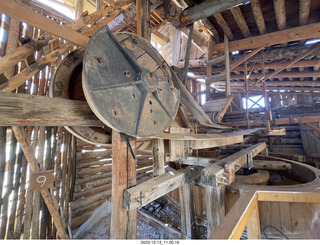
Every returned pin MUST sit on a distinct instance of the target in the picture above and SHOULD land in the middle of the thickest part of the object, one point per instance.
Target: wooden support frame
(223, 172)
(148, 191)
(123, 222)
(245, 211)
(296, 120)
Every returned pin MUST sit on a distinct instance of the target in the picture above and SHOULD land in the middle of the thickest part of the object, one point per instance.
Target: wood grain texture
(24, 110)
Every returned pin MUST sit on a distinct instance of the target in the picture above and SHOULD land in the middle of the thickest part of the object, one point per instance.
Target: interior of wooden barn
(159, 119)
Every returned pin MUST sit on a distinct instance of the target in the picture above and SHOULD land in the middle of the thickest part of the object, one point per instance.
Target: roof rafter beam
(206, 9)
(238, 17)
(223, 24)
(258, 16)
(287, 35)
(304, 10)
(280, 11)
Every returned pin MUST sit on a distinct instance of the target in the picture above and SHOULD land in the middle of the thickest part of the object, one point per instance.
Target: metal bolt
(127, 73)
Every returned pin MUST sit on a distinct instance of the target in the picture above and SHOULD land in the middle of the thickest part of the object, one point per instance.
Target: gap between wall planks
(51, 203)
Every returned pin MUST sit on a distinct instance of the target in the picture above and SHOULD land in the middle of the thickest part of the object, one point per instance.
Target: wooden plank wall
(23, 212)
(93, 179)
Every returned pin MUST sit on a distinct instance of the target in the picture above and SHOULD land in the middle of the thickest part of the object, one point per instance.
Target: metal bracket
(249, 160)
(127, 138)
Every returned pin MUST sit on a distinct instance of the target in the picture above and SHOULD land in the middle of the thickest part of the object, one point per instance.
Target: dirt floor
(158, 209)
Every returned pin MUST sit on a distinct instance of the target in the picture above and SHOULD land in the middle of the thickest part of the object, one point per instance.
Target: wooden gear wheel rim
(60, 87)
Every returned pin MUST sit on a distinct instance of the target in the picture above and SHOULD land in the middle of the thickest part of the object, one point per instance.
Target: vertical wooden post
(253, 225)
(175, 44)
(79, 9)
(187, 55)
(99, 4)
(158, 157)
(123, 222)
(265, 94)
(246, 90)
(209, 67)
(226, 52)
(3, 141)
(188, 224)
(215, 207)
(143, 19)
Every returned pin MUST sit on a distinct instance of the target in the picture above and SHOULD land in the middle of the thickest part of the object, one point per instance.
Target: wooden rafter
(304, 10)
(238, 17)
(207, 9)
(258, 16)
(223, 24)
(280, 12)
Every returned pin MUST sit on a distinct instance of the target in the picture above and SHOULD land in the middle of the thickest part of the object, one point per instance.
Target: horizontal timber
(26, 110)
(288, 35)
(148, 191)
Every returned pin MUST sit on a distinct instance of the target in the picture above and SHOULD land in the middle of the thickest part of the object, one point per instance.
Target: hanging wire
(270, 226)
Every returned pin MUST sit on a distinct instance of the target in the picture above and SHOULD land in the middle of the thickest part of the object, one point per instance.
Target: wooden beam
(237, 218)
(253, 225)
(188, 223)
(258, 16)
(79, 8)
(207, 23)
(46, 10)
(207, 9)
(238, 17)
(286, 196)
(296, 120)
(304, 10)
(158, 157)
(143, 19)
(209, 68)
(214, 175)
(18, 11)
(271, 165)
(26, 110)
(187, 54)
(148, 191)
(223, 24)
(215, 208)
(284, 36)
(280, 12)
(123, 222)
(33, 69)
(49, 200)
(313, 127)
(227, 65)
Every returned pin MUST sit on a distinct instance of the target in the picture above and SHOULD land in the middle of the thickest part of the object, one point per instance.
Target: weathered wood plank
(215, 174)
(123, 223)
(25, 110)
(287, 35)
(16, 10)
(152, 189)
(50, 201)
(206, 9)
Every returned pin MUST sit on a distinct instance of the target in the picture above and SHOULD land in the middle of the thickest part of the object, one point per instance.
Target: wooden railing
(245, 212)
